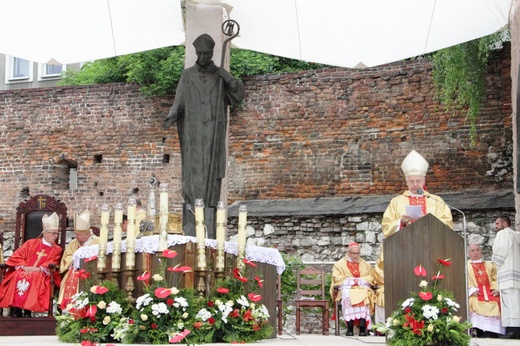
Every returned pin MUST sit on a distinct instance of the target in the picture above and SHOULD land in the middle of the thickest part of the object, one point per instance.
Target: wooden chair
(29, 225)
(337, 311)
(310, 293)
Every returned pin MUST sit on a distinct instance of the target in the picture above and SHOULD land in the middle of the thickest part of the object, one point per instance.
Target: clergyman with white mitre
(84, 237)
(396, 217)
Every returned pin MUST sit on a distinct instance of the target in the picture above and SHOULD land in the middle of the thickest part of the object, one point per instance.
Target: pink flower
(144, 276)
(425, 295)
(251, 263)
(222, 290)
(101, 290)
(179, 336)
(446, 262)
(259, 281)
(169, 253)
(420, 271)
(238, 276)
(254, 297)
(162, 292)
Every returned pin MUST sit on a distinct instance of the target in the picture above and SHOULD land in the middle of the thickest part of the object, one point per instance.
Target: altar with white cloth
(150, 244)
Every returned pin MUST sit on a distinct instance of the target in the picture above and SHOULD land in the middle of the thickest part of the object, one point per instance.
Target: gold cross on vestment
(40, 255)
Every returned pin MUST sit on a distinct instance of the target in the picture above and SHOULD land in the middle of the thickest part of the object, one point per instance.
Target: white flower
(423, 283)
(180, 325)
(452, 304)
(157, 277)
(181, 302)
(225, 309)
(102, 305)
(114, 308)
(143, 300)
(456, 319)
(439, 298)
(408, 302)
(144, 317)
(260, 312)
(430, 312)
(203, 314)
(174, 290)
(159, 308)
(185, 315)
(430, 328)
(243, 301)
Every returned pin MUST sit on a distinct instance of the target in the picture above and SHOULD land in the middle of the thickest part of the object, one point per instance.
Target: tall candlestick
(163, 217)
(118, 221)
(221, 236)
(130, 234)
(200, 233)
(103, 237)
(242, 222)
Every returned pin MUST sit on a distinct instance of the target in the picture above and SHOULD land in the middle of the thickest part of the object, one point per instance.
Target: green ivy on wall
(459, 74)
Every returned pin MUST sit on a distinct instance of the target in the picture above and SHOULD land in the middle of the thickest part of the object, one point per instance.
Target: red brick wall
(332, 132)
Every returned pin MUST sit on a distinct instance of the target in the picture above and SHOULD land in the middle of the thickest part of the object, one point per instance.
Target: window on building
(49, 70)
(18, 69)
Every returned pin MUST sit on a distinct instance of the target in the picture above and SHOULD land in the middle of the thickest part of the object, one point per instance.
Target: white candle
(199, 221)
(163, 217)
(221, 224)
(118, 220)
(242, 222)
(105, 217)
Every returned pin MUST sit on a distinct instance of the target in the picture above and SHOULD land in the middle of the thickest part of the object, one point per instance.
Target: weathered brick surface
(327, 133)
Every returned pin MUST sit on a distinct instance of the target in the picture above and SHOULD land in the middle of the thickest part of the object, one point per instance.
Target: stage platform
(282, 340)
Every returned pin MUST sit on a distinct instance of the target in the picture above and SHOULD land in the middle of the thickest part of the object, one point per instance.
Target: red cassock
(30, 291)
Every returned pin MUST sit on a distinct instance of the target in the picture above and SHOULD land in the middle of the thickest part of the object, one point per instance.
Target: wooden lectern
(423, 243)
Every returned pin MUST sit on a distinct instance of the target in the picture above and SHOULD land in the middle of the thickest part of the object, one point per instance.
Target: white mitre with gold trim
(82, 221)
(414, 164)
(50, 222)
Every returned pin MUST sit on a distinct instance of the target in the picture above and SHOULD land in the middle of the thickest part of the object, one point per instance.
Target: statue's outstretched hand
(168, 121)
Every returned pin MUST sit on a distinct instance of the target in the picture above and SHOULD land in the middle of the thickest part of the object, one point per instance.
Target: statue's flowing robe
(201, 109)
(30, 291)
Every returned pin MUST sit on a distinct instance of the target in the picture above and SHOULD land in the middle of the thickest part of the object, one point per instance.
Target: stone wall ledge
(368, 204)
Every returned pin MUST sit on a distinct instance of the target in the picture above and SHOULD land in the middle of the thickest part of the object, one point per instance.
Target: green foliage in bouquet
(92, 315)
(161, 314)
(233, 312)
(427, 317)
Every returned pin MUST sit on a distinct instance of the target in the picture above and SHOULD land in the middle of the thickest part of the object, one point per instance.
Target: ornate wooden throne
(29, 225)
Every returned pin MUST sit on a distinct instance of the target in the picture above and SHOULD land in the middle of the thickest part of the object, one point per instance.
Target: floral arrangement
(162, 314)
(427, 317)
(91, 316)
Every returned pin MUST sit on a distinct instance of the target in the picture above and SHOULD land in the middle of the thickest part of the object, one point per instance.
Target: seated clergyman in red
(26, 284)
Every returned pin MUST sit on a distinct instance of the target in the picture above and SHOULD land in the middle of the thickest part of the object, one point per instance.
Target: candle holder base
(202, 282)
(130, 286)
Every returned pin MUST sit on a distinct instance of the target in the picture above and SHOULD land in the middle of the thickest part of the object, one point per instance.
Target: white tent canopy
(348, 33)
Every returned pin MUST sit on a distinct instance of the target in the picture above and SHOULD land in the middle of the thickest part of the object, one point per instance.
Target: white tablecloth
(150, 244)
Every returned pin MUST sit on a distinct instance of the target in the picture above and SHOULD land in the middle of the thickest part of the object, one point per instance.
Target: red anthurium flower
(222, 290)
(259, 281)
(445, 262)
(439, 276)
(169, 253)
(419, 270)
(181, 269)
(251, 263)
(90, 259)
(238, 276)
(82, 274)
(179, 336)
(88, 343)
(91, 311)
(144, 276)
(254, 297)
(162, 292)
(425, 295)
(101, 290)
